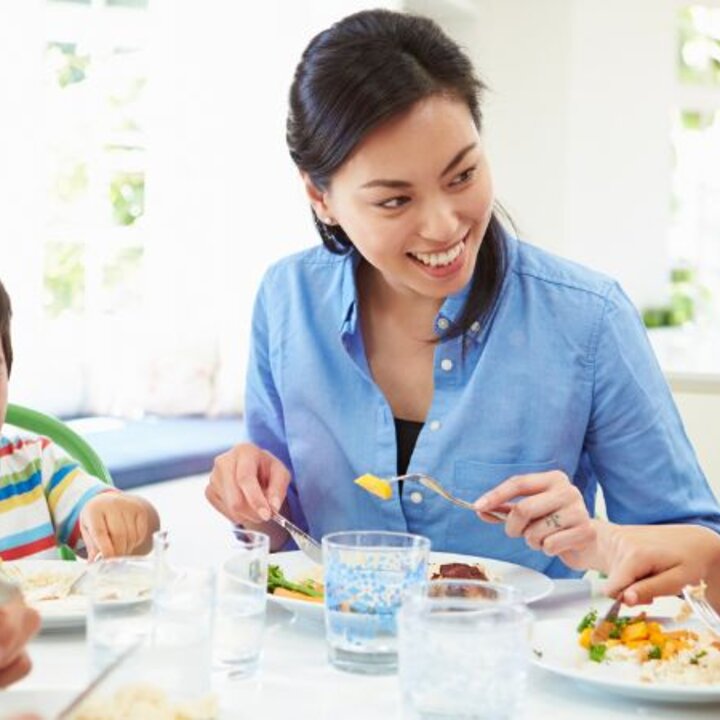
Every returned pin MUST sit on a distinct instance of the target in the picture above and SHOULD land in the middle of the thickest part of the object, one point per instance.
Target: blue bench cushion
(141, 452)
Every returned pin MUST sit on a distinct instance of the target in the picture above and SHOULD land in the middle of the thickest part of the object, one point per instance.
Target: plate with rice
(640, 657)
(44, 584)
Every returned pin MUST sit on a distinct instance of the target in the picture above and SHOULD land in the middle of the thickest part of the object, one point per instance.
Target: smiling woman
(526, 379)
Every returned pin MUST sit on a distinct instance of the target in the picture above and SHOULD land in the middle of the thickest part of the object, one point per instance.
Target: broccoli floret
(277, 579)
(588, 621)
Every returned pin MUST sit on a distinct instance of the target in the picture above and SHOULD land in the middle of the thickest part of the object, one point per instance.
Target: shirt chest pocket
(472, 478)
(466, 533)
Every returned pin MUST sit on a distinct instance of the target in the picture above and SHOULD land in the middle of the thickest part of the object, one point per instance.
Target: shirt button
(435, 425)
(416, 497)
(446, 364)
(443, 323)
(475, 326)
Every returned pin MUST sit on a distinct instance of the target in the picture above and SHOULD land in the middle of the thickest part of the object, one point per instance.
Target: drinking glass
(463, 651)
(366, 574)
(241, 603)
(120, 594)
(183, 616)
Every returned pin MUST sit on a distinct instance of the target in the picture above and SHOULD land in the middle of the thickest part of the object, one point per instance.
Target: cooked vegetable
(588, 621)
(649, 638)
(292, 594)
(308, 588)
(375, 485)
(696, 658)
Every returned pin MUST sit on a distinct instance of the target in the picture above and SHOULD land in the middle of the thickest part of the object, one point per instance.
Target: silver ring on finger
(553, 521)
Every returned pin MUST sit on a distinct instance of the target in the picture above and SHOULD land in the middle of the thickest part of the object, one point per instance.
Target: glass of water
(463, 651)
(241, 604)
(366, 574)
(183, 617)
(120, 595)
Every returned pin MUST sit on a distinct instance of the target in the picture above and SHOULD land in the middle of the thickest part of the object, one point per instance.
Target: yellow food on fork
(375, 485)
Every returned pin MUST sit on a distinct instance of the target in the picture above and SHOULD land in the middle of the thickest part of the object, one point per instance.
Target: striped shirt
(41, 496)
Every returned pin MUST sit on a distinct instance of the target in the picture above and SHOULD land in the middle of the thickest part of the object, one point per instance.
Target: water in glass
(462, 657)
(365, 576)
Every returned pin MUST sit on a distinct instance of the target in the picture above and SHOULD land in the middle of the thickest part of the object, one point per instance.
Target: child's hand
(114, 524)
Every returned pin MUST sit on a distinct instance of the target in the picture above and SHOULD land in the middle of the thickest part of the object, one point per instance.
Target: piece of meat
(459, 571)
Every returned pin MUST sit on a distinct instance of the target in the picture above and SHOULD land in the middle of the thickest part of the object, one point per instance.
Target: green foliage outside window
(71, 181)
(697, 120)
(127, 195)
(64, 278)
(69, 66)
(685, 295)
(122, 280)
(699, 45)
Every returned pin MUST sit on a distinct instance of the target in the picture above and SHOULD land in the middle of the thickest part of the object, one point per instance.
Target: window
(695, 230)
(94, 86)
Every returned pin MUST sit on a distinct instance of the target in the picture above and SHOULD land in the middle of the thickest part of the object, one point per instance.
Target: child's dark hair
(359, 73)
(5, 314)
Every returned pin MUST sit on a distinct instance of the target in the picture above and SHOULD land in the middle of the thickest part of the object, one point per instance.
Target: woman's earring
(329, 221)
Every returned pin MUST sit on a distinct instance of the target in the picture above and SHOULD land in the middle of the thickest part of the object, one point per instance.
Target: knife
(308, 545)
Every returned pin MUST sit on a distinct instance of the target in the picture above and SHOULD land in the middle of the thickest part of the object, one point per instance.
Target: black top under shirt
(406, 435)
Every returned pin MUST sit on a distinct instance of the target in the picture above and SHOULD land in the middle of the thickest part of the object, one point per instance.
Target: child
(47, 500)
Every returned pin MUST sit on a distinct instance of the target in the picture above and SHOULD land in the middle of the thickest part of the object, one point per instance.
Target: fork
(432, 484)
(308, 545)
(695, 597)
(78, 581)
(602, 629)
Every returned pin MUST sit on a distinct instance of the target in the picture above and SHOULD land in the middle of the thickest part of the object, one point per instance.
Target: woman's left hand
(551, 514)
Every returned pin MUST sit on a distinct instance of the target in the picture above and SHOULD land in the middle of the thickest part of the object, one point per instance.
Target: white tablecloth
(295, 681)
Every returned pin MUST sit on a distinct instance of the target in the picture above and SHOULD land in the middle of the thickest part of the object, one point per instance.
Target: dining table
(295, 680)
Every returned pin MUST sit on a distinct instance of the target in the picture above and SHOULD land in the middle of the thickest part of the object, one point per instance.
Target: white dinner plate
(64, 613)
(295, 566)
(556, 649)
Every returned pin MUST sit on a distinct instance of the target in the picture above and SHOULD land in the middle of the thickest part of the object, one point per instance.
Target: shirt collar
(450, 310)
(348, 301)
(452, 307)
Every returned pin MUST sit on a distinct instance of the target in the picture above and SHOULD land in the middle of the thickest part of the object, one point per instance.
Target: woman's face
(416, 198)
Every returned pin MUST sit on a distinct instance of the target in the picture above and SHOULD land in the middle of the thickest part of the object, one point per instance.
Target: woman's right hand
(247, 484)
(647, 561)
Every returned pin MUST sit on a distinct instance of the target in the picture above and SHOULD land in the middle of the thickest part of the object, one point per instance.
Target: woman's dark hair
(359, 73)
(5, 314)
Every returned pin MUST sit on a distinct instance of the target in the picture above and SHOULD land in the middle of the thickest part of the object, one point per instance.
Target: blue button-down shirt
(561, 376)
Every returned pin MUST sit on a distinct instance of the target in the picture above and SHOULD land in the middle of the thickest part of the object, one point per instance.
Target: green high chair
(74, 445)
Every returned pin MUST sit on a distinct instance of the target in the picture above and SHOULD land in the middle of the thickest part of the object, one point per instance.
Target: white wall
(618, 155)
(577, 123)
(228, 164)
(700, 413)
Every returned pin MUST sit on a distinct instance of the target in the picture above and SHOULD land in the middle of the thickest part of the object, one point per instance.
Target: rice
(696, 665)
(699, 666)
(145, 702)
(40, 585)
